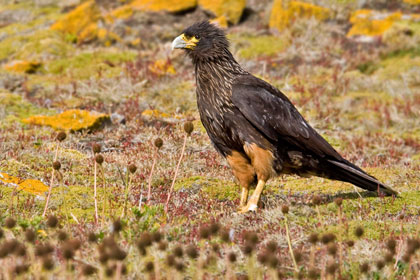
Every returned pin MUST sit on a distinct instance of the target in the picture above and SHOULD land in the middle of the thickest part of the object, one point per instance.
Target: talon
(248, 208)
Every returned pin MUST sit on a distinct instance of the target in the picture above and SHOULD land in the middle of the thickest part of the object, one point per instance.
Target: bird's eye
(197, 37)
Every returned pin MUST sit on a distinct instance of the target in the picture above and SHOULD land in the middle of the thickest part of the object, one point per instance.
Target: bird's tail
(348, 172)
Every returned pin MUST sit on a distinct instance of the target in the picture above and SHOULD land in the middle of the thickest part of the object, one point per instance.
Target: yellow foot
(250, 207)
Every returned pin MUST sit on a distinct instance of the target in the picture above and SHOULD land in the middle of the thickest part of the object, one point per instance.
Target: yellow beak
(182, 42)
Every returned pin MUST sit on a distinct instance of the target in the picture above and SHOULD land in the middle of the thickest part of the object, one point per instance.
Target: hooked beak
(182, 42)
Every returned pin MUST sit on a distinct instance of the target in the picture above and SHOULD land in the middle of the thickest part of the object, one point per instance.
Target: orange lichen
(162, 67)
(21, 66)
(163, 5)
(371, 23)
(154, 114)
(220, 21)
(412, 2)
(283, 13)
(81, 22)
(71, 120)
(231, 9)
(28, 185)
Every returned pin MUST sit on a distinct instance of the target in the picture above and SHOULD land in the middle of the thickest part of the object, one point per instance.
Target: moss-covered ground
(361, 93)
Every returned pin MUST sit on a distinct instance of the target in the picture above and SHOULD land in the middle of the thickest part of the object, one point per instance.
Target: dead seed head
(271, 246)
(331, 268)
(30, 235)
(273, 261)
(350, 243)
(21, 269)
(313, 273)
(170, 260)
(158, 143)
(298, 255)
(92, 237)
(178, 252)
(332, 249)
(96, 148)
(88, 270)
(406, 258)
(316, 200)
(412, 246)
(145, 240)
(263, 257)
(156, 237)
(52, 221)
(75, 244)
(103, 258)
(215, 247)
(117, 253)
(285, 209)
(313, 238)
(232, 257)
(391, 244)
(224, 235)
(364, 267)
(62, 235)
(327, 238)
(163, 245)
(188, 127)
(359, 232)
(117, 226)
(248, 248)
(214, 228)
(204, 232)
(99, 159)
(242, 277)
(1, 233)
(10, 223)
(251, 238)
(47, 263)
(56, 165)
(338, 201)
(132, 168)
(149, 267)
(380, 264)
(67, 251)
(389, 258)
(192, 252)
(61, 136)
(179, 266)
(20, 250)
(109, 271)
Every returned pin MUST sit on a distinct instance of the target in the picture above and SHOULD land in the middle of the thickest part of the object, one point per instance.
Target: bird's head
(202, 40)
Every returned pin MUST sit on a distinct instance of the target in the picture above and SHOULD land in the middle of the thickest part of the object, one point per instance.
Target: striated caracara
(254, 125)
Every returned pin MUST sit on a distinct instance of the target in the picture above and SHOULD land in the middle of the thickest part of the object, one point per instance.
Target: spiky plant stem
(127, 189)
(104, 193)
(51, 182)
(94, 195)
(149, 184)
(289, 242)
(176, 173)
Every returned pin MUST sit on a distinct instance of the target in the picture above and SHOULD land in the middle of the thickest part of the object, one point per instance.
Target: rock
(117, 118)
(80, 22)
(282, 14)
(162, 67)
(28, 185)
(220, 21)
(22, 66)
(230, 9)
(71, 120)
(172, 6)
(375, 23)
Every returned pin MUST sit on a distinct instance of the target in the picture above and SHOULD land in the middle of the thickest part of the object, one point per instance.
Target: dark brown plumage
(255, 126)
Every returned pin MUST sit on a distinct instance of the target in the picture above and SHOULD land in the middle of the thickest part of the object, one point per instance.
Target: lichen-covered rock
(162, 67)
(80, 22)
(28, 185)
(220, 21)
(71, 120)
(412, 2)
(22, 66)
(163, 5)
(374, 23)
(284, 12)
(230, 9)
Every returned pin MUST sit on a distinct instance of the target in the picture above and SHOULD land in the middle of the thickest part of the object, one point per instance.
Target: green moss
(251, 46)
(14, 105)
(88, 64)
(217, 189)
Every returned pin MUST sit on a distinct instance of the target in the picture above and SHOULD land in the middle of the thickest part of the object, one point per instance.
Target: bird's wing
(272, 113)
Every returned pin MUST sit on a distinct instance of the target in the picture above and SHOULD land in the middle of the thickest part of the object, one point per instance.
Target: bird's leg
(252, 204)
(244, 197)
